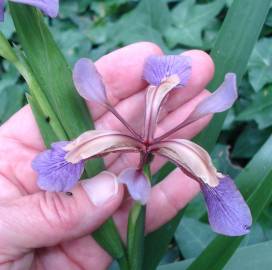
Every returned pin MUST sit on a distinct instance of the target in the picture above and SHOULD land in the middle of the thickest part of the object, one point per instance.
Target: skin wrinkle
(58, 222)
(71, 258)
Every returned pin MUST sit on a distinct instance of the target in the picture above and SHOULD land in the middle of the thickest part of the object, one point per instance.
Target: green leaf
(7, 27)
(259, 110)
(47, 131)
(190, 20)
(135, 236)
(146, 22)
(50, 69)
(193, 236)
(136, 230)
(11, 100)
(9, 77)
(254, 257)
(260, 64)
(249, 142)
(221, 160)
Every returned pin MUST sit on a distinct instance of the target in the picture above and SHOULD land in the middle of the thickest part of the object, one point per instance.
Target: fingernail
(101, 188)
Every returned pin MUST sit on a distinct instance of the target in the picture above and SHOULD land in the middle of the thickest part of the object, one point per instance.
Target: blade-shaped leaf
(50, 69)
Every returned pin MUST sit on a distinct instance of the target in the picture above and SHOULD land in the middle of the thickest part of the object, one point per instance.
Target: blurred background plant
(93, 28)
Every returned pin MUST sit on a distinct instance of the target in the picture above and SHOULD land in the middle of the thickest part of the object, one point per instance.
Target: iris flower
(48, 7)
(60, 167)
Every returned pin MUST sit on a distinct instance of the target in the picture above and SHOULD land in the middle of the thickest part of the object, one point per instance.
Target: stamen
(173, 130)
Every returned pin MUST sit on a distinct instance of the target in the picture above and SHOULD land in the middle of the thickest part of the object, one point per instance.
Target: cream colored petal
(154, 99)
(191, 157)
(98, 142)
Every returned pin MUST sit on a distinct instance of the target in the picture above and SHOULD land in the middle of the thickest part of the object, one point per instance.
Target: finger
(170, 196)
(83, 252)
(46, 218)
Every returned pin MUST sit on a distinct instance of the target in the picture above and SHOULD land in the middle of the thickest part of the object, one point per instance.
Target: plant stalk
(136, 230)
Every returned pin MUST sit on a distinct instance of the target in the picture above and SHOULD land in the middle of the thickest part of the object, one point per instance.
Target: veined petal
(1, 10)
(189, 156)
(54, 172)
(137, 184)
(158, 69)
(154, 99)
(228, 212)
(100, 142)
(48, 7)
(220, 100)
(88, 81)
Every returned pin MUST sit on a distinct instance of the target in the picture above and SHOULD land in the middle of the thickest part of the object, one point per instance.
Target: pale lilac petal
(88, 81)
(54, 172)
(48, 7)
(2, 10)
(190, 157)
(221, 100)
(95, 143)
(227, 210)
(158, 69)
(137, 184)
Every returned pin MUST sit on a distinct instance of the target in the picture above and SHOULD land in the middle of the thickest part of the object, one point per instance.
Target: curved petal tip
(88, 81)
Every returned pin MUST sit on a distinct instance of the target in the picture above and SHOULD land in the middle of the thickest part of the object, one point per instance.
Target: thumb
(46, 219)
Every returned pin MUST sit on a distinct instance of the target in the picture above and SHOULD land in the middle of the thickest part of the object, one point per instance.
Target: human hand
(43, 230)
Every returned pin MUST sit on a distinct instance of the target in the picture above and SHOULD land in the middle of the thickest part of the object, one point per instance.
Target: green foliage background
(93, 28)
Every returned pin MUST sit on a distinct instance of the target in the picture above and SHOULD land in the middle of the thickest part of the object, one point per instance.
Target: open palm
(43, 230)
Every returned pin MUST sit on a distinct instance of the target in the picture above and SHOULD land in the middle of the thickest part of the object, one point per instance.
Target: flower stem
(136, 231)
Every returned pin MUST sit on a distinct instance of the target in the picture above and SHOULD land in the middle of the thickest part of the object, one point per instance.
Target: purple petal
(228, 212)
(138, 185)
(221, 100)
(54, 172)
(158, 68)
(48, 7)
(1, 10)
(88, 81)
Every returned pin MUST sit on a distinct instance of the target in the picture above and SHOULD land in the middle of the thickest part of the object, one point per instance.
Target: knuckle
(59, 213)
